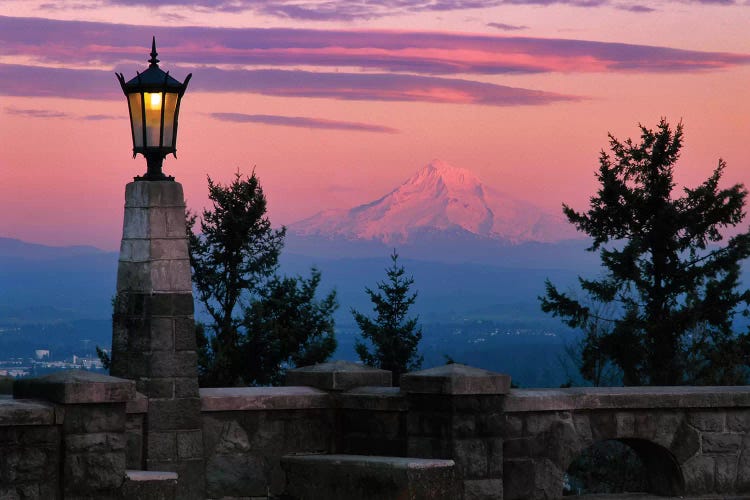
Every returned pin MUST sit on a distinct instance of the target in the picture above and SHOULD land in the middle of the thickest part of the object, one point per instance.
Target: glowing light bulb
(156, 100)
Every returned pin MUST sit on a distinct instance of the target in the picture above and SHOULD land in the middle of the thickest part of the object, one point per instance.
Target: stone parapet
(76, 387)
(602, 398)
(263, 398)
(15, 412)
(343, 477)
(455, 379)
(338, 376)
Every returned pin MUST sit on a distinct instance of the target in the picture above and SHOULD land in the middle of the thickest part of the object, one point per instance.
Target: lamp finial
(154, 61)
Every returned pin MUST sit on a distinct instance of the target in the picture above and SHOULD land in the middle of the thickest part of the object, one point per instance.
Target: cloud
(51, 42)
(302, 121)
(18, 80)
(36, 113)
(507, 27)
(636, 8)
(348, 10)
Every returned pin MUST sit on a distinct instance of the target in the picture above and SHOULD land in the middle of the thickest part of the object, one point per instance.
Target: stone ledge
(150, 475)
(343, 477)
(26, 412)
(75, 387)
(595, 398)
(263, 398)
(371, 461)
(139, 404)
(338, 376)
(373, 398)
(455, 379)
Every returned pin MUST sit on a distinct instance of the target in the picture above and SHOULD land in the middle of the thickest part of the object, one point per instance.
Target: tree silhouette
(672, 289)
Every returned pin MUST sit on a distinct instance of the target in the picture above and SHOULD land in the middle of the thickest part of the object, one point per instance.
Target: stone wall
(247, 430)
(691, 440)
(29, 450)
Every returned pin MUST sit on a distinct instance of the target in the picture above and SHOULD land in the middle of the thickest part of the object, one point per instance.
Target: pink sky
(335, 103)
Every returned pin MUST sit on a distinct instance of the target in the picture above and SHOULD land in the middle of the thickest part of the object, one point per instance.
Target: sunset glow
(336, 103)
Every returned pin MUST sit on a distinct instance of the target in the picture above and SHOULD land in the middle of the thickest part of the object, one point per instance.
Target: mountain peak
(438, 197)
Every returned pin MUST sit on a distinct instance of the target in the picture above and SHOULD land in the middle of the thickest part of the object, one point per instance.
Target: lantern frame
(154, 99)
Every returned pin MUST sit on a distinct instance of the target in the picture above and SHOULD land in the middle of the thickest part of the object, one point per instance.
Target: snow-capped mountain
(439, 198)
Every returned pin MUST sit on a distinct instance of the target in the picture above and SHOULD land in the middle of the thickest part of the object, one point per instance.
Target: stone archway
(663, 475)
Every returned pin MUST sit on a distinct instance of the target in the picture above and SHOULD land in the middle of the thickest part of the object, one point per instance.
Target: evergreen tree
(392, 336)
(672, 288)
(235, 261)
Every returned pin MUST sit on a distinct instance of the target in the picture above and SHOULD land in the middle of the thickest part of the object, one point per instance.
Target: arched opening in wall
(624, 466)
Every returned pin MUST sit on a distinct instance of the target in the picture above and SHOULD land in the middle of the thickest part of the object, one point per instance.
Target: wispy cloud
(53, 42)
(21, 80)
(36, 113)
(507, 27)
(347, 10)
(636, 8)
(303, 122)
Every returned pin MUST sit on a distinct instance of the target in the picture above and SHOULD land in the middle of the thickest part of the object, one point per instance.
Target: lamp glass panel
(170, 106)
(136, 119)
(153, 101)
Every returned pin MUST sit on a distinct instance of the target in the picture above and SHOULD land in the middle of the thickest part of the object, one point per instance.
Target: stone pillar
(455, 412)
(91, 412)
(153, 336)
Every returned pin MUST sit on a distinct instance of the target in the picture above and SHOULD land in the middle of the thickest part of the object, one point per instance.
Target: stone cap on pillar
(75, 387)
(455, 379)
(338, 376)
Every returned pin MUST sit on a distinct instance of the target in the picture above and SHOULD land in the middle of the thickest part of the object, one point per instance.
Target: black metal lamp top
(154, 103)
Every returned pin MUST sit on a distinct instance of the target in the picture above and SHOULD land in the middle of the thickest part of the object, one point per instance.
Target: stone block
(712, 421)
(170, 276)
(512, 425)
(99, 442)
(338, 376)
(470, 456)
(161, 388)
(91, 472)
(725, 473)
(699, 474)
(161, 333)
(169, 249)
(161, 445)
(184, 334)
(151, 485)
(189, 444)
(518, 479)
(685, 444)
(455, 379)
(720, 442)
(174, 364)
(174, 414)
(495, 457)
(235, 476)
(427, 447)
(75, 387)
(134, 250)
(186, 387)
(483, 489)
(537, 423)
(343, 477)
(136, 224)
(133, 277)
(738, 420)
(625, 422)
(263, 398)
(18, 412)
(192, 476)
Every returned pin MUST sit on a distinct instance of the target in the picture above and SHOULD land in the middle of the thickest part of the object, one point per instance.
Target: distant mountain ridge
(439, 198)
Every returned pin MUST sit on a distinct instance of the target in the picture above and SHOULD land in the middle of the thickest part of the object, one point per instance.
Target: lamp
(154, 104)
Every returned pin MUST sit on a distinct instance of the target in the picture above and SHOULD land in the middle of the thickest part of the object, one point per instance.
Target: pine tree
(235, 263)
(672, 289)
(392, 336)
